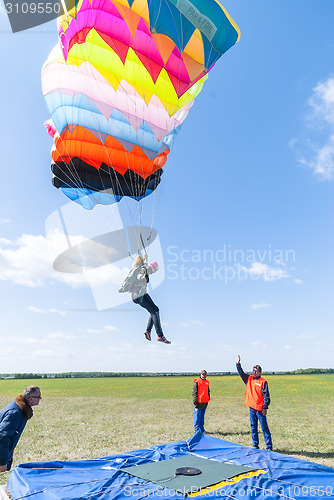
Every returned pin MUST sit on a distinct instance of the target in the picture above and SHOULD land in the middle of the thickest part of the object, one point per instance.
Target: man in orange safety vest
(201, 398)
(257, 398)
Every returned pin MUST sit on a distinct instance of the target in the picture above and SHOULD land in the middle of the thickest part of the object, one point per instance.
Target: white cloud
(61, 336)
(47, 339)
(259, 343)
(121, 349)
(322, 101)
(106, 328)
(36, 310)
(105, 275)
(322, 162)
(24, 339)
(262, 305)
(111, 328)
(259, 270)
(7, 352)
(225, 347)
(192, 322)
(48, 353)
(5, 241)
(298, 281)
(26, 261)
(305, 337)
(287, 347)
(318, 154)
(4, 221)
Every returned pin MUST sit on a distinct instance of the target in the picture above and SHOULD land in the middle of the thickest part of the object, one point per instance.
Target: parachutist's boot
(147, 335)
(164, 340)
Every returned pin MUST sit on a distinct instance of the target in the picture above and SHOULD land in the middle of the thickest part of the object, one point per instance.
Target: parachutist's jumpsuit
(139, 296)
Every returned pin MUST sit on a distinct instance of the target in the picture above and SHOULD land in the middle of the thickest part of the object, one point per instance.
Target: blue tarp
(285, 477)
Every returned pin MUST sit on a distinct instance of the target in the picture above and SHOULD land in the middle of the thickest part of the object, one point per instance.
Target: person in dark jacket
(201, 398)
(13, 419)
(257, 398)
(140, 296)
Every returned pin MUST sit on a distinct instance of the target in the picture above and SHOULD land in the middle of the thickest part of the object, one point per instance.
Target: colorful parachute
(118, 86)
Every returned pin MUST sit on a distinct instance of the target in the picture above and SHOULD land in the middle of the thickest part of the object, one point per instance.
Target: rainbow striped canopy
(118, 86)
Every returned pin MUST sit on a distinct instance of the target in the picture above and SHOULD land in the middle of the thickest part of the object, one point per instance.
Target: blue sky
(244, 215)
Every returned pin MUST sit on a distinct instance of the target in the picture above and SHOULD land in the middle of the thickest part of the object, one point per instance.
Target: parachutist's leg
(149, 324)
(141, 302)
(157, 323)
(147, 303)
(153, 309)
(254, 427)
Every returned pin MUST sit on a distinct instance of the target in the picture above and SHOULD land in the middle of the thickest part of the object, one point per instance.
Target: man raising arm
(257, 398)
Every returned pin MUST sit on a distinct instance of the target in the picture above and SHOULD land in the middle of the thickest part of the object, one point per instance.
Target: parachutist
(136, 283)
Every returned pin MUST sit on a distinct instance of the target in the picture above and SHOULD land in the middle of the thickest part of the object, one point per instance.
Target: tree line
(301, 371)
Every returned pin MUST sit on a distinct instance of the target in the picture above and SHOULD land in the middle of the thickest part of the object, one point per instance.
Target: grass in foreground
(87, 418)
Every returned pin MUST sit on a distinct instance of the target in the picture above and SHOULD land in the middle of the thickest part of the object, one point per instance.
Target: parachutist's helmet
(153, 267)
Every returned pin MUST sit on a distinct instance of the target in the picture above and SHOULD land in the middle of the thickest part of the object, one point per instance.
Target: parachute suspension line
(141, 239)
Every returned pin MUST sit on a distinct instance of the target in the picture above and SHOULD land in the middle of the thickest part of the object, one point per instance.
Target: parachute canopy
(257, 474)
(118, 86)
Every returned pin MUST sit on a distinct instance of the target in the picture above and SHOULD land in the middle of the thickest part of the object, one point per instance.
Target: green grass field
(88, 418)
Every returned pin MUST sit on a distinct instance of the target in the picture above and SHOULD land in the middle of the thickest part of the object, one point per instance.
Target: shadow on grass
(311, 454)
(219, 433)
